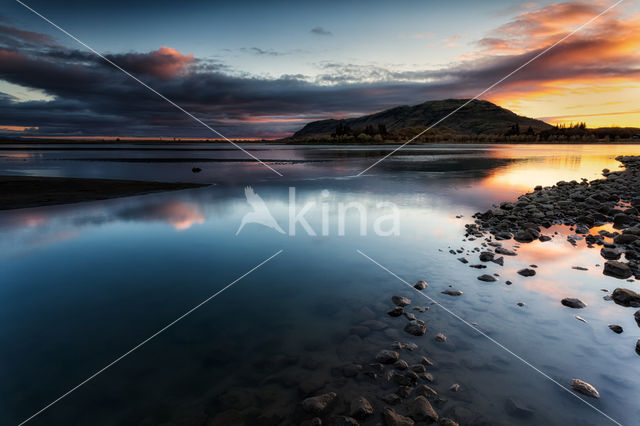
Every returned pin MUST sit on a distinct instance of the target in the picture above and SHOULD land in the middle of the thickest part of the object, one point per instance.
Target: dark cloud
(90, 97)
(320, 31)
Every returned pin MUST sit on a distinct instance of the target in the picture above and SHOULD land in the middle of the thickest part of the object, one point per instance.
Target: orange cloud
(585, 72)
(164, 63)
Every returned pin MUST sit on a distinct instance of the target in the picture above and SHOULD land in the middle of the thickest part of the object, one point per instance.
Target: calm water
(81, 284)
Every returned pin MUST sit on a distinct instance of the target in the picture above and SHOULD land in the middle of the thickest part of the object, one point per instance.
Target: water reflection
(83, 283)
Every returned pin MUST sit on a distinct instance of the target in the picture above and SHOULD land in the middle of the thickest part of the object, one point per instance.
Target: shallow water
(81, 284)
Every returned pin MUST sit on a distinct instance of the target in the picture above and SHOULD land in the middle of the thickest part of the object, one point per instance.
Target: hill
(478, 117)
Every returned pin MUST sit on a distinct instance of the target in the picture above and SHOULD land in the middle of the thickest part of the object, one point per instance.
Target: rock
(454, 387)
(396, 312)
(626, 297)
(405, 379)
(584, 388)
(574, 303)
(418, 368)
(427, 376)
(345, 421)
(516, 409)
(319, 404)
(614, 268)
(401, 364)
(420, 285)
(445, 421)
(387, 357)
(486, 256)
(520, 304)
(504, 251)
(452, 292)
(616, 328)
(360, 408)
(391, 399)
(638, 347)
(426, 391)
(404, 391)
(463, 260)
(400, 301)
(316, 421)
(487, 278)
(351, 370)
(527, 272)
(610, 253)
(421, 410)
(636, 316)
(441, 337)
(579, 318)
(579, 268)
(426, 361)
(196, 169)
(409, 316)
(416, 328)
(391, 418)
(499, 261)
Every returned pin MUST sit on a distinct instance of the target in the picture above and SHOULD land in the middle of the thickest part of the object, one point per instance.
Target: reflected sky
(82, 283)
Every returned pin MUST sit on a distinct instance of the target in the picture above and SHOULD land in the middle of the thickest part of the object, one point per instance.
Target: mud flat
(18, 192)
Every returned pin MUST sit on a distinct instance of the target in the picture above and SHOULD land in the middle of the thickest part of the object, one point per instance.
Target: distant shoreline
(17, 192)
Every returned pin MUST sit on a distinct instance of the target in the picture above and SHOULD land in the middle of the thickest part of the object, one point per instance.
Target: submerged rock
(416, 328)
(319, 404)
(391, 418)
(386, 356)
(441, 337)
(445, 421)
(360, 408)
(421, 410)
(584, 388)
(516, 409)
(345, 421)
(396, 312)
(400, 301)
(452, 292)
(574, 303)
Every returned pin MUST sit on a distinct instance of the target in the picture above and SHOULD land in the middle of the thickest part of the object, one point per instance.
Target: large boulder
(617, 269)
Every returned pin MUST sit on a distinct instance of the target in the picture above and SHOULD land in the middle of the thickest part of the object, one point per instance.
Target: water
(82, 284)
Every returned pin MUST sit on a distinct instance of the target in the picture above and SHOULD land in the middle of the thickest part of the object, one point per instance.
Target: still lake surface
(82, 284)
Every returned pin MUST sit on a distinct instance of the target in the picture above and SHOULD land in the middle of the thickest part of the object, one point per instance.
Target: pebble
(319, 404)
(487, 278)
(616, 328)
(391, 418)
(574, 303)
(527, 272)
(400, 301)
(441, 337)
(421, 410)
(420, 285)
(416, 328)
(452, 292)
(360, 408)
(387, 357)
(579, 318)
(584, 388)
(454, 387)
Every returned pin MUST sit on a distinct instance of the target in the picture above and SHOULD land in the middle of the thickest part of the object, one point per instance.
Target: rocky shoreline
(581, 206)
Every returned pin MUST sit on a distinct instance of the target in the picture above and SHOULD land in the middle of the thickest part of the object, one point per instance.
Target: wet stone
(574, 303)
(319, 404)
(616, 328)
(584, 388)
(387, 357)
(420, 285)
(360, 408)
(527, 272)
(416, 328)
(400, 301)
(487, 278)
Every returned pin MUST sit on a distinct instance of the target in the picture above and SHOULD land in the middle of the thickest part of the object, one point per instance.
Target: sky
(255, 69)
